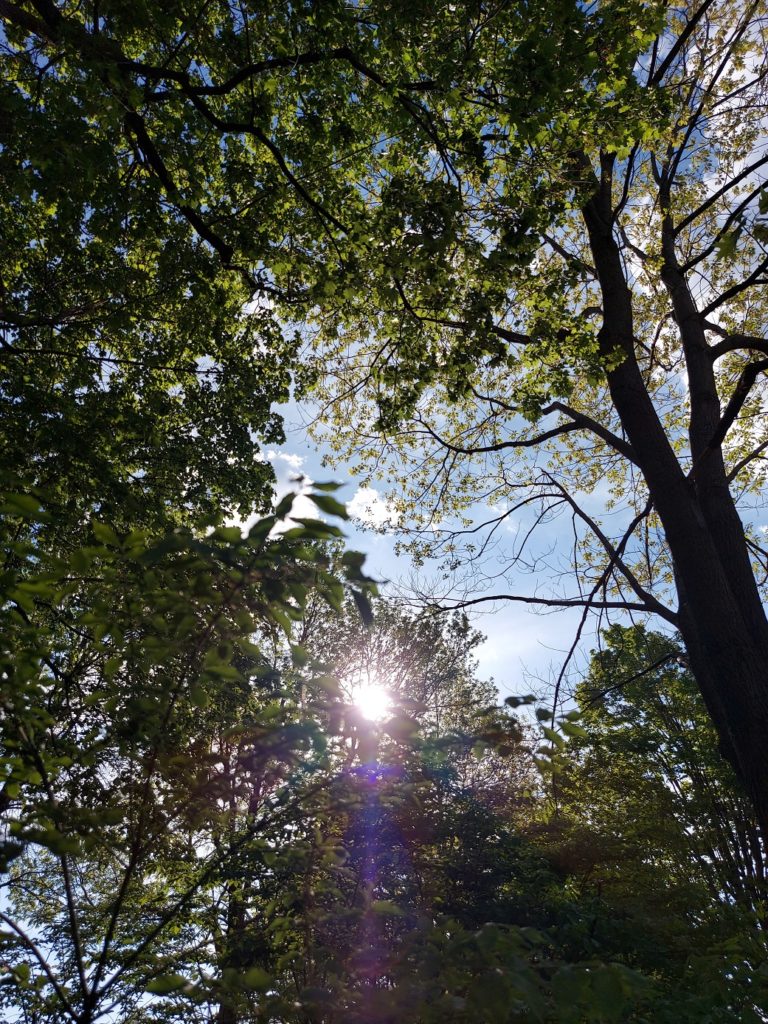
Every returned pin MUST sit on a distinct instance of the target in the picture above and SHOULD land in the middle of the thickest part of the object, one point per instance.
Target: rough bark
(722, 620)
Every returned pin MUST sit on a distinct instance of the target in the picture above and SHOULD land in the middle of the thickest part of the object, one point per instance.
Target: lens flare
(372, 701)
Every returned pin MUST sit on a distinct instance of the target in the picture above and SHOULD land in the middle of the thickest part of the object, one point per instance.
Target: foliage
(515, 213)
(564, 319)
(292, 858)
(485, 216)
(654, 830)
(129, 666)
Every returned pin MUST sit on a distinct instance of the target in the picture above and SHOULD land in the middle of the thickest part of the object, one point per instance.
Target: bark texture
(721, 616)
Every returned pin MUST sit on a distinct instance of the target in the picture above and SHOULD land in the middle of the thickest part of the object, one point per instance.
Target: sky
(523, 650)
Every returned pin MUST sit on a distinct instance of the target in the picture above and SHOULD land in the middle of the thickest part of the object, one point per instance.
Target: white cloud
(288, 458)
(367, 505)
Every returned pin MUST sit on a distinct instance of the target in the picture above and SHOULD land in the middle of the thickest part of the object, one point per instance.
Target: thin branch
(736, 289)
(638, 675)
(545, 602)
(42, 961)
(586, 422)
(514, 337)
(189, 86)
(740, 394)
(14, 350)
(136, 125)
(615, 553)
(742, 463)
(706, 92)
(205, 876)
(710, 200)
(734, 217)
(23, 19)
(530, 442)
(679, 43)
(569, 257)
(20, 320)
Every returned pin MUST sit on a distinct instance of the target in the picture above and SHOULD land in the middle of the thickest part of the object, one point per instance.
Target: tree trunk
(721, 618)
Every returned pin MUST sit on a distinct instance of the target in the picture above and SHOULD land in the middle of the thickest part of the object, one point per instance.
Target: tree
(134, 378)
(652, 826)
(486, 215)
(140, 713)
(646, 726)
(352, 886)
(513, 214)
(569, 293)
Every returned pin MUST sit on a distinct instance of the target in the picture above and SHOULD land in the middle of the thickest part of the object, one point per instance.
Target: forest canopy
(514, 254)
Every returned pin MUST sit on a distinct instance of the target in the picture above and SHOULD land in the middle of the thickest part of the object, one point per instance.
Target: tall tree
(570, 295)
(646, 722)
(496, 214)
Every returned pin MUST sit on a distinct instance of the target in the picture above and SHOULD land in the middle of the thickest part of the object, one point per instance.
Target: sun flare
(372, 700)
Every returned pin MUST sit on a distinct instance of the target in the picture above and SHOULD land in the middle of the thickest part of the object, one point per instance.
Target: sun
(372, 700)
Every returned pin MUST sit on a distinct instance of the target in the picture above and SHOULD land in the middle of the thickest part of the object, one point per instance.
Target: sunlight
(372, 700)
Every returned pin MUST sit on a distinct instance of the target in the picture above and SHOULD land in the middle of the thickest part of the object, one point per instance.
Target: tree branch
(514, 337)
(736, 289)
(679, 43)
(638, 675)
(545, 602)
(738, 342)
(135, 123)
(756, 454)
(530, 442)
(582, 420)
(30, 945)
(710, 200)
(740, 394)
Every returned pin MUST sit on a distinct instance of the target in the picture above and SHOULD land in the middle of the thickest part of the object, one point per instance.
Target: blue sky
(524, 649)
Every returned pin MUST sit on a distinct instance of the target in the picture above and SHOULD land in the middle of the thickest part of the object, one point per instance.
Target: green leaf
(327, 486)
(517, 702)
(569, 988)
(299, 655)
(401, 727)
(553, 737)
(727, 243)
(26, 506)
(260, 530)
(315, 529)
(199, 696)
(257, 979)
(229, 534)
(387, 908)
(104, 533)
(329, 505)
(607, 993)
(573, 730)
(283, 507)
(363, 607)
(166, 983)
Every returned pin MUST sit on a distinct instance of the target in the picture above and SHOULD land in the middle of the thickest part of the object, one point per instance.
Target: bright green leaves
(166, 983)
(328, 504)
